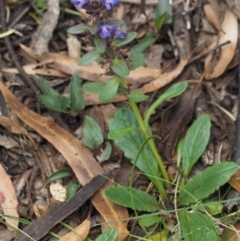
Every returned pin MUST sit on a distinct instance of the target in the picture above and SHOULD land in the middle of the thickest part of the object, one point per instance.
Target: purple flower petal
(106, 30)
(120, 34)
(109, 3)
(79, 3)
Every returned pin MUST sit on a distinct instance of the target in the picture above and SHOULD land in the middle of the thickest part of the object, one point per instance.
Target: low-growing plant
(131, 132)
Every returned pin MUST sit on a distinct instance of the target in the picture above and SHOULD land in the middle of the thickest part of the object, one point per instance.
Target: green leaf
(56, 176)
(93, 29)
(91, 56)
(115, 22)
(120, 67)
(44, 86)
(137, 60)
(163, 7)
(132, 141)
(195, 142)
(109, 235)
(212, 207)
(76, 96)
(197, 226)
(92, 133)
(78, 29)
(160, 21)
(171, 92)
(147, 221)
(144, 43)
(120, 132)
(137, 96)
(72, 189)
(206, 182)
(106, 153)
(110, 89)
(132, 198)
(57, 103)
(100, 44)
(94, 87)
(120, 42)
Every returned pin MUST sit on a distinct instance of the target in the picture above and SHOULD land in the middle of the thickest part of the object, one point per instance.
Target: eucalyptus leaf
(78, 29)
(144, 43)
(137, 60)
(91, 56)
(197, 226)
(76, 96)
(92, 133)
(132, 198)
(206, 182)
(120, 67)
(138, 96)
(44, 86)
(108, 235)
(56, 102)
(120, 42)
(110, 89)
(94, 87)
(132, 141)
(195, 142)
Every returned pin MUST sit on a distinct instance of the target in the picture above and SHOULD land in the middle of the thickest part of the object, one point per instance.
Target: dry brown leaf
(234, 181)
(78, 156)
(8, 199)
(229, 33)
(7, 142)
(74, 46)
(212, 16)
(79, 233)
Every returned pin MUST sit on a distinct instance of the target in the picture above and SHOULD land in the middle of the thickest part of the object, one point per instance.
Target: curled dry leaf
(78, 156)
(229, 33)
(8, 199)
(212, 16)
(79, 233)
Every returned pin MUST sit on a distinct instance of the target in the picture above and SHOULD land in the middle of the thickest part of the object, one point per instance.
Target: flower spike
(109, 3)
(79, 3)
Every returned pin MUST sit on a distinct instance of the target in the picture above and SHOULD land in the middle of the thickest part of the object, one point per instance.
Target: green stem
(151, 143)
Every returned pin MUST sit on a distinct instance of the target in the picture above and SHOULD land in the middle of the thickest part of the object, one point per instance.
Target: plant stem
(151, 143)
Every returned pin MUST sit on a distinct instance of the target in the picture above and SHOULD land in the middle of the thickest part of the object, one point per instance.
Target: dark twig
(27, 81)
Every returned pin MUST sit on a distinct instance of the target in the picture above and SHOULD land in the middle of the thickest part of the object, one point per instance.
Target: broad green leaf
(72, 189)
(44, 86)
(57, 175)
(171, 92)
(100, 44)
(55, 102)
(131, 143)
(132, 198)
(206, 182)
(76, 96)
(93, 29)
(138, 96)
(94, 87)
(108, 235)
(115, 22)
(137, 60)
(120, 132)
(92, 133)
(163, 7)
(91, 56)
(110, 89)
(144, 43)
(212, 207)
(120, 67)
(197, 227)
(147, 221)
(106, 153)
(78, 29)
(120, 42)
(195, 142)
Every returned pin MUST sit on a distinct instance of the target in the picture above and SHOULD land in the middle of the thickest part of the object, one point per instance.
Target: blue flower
(107, 30)
(120, 34)
(109, 3)
(79, 3)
